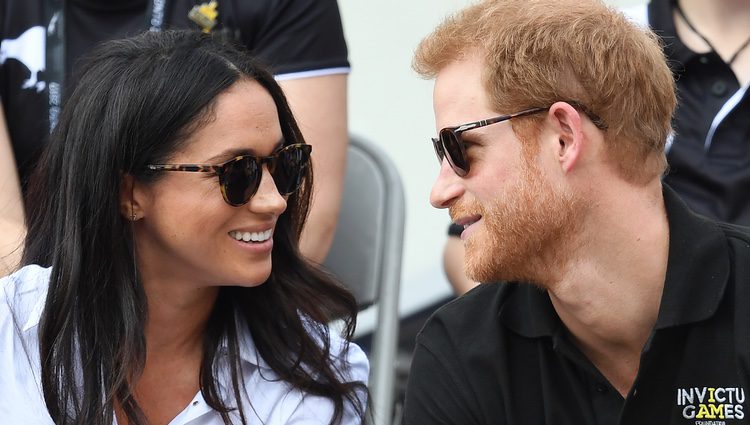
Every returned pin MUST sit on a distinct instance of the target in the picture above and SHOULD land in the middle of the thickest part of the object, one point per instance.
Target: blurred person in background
(707, 45)
(301, 40)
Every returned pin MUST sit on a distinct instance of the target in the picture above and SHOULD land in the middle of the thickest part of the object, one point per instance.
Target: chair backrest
(366, 256)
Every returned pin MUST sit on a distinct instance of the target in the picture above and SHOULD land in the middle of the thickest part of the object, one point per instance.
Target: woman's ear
(130, 208)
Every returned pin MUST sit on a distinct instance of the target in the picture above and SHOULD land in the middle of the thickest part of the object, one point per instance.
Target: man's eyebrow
(475, 134)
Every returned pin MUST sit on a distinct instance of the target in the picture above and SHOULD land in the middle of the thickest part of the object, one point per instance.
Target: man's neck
(609, 295)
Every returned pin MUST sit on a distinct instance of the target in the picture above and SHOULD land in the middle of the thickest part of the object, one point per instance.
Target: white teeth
(470, 223)
(251, 236)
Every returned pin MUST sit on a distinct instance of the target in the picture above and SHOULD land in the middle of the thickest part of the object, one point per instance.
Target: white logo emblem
(712, 405)
(29, 50)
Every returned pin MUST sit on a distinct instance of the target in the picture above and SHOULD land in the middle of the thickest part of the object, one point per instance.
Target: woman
(176, 177)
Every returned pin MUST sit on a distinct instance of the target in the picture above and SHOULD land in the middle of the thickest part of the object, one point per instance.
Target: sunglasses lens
(240, 180)
(454, 150)
(291, 168)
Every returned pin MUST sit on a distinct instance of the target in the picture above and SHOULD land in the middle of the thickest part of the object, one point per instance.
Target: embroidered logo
(712, 406)
(28, 49)
(204, 15)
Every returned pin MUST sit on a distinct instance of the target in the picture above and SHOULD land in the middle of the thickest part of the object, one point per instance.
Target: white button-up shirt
(274, 401)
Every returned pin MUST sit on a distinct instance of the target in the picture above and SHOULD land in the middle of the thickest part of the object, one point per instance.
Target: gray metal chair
(366, 256)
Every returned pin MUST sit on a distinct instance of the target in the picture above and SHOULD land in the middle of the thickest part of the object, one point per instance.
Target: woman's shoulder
(348, 358)
(22, 295)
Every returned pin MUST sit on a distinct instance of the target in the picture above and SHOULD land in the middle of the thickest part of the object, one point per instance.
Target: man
(707, 45)
(623, 306)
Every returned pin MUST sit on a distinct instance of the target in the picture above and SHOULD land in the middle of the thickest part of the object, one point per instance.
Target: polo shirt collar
(697, 275)
(529, 312)
(697, 269)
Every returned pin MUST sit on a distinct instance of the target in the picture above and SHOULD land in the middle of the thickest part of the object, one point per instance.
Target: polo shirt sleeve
(436, 392)
(296, 38)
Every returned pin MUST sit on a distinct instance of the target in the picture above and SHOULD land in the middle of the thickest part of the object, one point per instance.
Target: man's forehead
(462, 70)
(459, 94)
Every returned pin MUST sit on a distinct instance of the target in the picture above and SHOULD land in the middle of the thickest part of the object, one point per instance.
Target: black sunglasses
(239, 178)
(450, 145)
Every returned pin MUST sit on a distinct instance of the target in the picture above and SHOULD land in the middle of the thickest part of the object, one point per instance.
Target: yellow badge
(204, 15)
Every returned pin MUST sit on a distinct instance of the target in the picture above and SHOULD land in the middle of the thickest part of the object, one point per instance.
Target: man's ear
(568, 127)
(130, 207)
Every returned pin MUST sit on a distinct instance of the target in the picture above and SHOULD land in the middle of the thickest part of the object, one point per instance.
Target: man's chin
(479, 268)
(493, 264)
(485, 273)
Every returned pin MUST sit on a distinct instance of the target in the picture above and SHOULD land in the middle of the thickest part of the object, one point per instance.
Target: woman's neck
(177, 319)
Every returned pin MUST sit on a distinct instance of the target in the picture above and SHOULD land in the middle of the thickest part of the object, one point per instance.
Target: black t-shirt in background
(288, 35)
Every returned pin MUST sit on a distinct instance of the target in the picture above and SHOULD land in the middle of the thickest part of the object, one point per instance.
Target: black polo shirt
(709, 158)
(500, 354)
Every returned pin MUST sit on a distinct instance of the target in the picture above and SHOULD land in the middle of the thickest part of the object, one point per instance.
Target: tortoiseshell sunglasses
(239, 178)
(449, 145)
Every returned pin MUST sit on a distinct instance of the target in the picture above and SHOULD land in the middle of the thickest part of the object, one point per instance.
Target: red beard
(525, 236)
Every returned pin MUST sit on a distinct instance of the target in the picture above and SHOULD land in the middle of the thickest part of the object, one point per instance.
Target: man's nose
(447, 188)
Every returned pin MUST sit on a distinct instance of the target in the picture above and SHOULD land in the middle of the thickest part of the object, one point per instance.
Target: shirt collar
(251, 363)
(248, 350)
(697, 275)
(40, 277)
(697, 268)
(529, 311)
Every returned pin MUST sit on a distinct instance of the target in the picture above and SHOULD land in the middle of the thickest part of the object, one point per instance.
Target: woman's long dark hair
(134, 105)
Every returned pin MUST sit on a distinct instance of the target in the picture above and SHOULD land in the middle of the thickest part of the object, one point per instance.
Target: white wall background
(392, 107)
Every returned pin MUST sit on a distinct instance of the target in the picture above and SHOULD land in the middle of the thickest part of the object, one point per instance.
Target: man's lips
(467, 221)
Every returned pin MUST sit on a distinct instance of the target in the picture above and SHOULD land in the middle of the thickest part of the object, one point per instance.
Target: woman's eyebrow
(235, 152)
